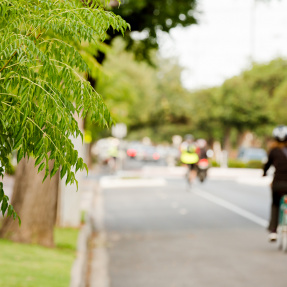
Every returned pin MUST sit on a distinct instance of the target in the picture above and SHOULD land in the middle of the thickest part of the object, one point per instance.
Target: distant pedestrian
(278, 158)
(113, 153)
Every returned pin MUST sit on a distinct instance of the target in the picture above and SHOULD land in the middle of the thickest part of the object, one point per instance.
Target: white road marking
(232, 207)
(174, 205)
(161, 195)
(183, 211)
(115, 182)
(261, 181)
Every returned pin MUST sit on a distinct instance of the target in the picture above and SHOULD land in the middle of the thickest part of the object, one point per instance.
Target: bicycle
(282, 226)
(202, 167)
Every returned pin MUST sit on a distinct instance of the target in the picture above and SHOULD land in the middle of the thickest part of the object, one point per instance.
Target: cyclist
(189, 156)
(278, 158)
(203, 163)
(202, 144)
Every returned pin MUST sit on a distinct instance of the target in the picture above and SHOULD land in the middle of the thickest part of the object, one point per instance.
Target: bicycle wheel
(284, 241)
(279, 238)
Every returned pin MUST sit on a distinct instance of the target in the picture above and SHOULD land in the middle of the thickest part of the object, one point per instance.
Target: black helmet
(189, 137)
(280, 133)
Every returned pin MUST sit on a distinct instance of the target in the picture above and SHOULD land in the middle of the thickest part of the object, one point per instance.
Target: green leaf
(86, 167)
(17, 144)
(69, 177)
(10, 210)
(20, 154)
(19, 219)
(41, 167)
(54, 170)
(38, 145)
(4, 206)
(63, 171)
(78, 164)
(46, 175)
(39, 159)
(1, 194)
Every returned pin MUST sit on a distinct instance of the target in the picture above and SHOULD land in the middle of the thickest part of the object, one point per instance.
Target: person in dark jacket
(278, 158)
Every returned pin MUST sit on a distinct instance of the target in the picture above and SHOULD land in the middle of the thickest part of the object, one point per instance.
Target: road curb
(99, 264)
(80, 266)
(95, 267)
(79, 269)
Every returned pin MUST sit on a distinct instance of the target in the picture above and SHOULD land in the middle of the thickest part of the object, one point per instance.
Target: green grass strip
(24, 265)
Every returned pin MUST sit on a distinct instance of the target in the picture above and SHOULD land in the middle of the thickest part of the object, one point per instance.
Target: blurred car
(252, 154)
(133, 149)
(131, 152)
(142, 152)
(150, 153)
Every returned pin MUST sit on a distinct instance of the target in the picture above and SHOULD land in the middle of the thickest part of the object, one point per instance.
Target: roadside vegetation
(43, 86)
(235, 163)
(158, 105)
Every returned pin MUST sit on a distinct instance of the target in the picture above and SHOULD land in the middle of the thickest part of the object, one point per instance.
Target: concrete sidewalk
(90, 268)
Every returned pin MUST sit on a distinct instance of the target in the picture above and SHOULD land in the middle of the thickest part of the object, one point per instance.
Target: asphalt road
(160, 233)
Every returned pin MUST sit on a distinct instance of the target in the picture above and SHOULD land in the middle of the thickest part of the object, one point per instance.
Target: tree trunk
(240, 138)
(89, 156)
(227, 142)
(36, 204)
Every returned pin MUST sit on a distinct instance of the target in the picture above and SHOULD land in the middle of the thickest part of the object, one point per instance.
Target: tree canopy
(42, 84)
(251, 101)
(150, 16)
(143, 96)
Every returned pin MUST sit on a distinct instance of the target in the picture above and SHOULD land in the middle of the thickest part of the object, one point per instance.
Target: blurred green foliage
(214, 163)
(148, 17)
(153, 102)
(10, 169)
(235, 163)
(254, 164)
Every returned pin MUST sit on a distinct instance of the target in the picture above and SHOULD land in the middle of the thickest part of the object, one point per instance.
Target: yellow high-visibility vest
(189, 158)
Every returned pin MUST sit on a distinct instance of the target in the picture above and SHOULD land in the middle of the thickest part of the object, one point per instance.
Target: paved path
(162, 235)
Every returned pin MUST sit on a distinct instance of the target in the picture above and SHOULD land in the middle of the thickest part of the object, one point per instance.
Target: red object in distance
(131, 152)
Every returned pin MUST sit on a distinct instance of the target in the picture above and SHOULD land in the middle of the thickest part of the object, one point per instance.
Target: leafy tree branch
(41, 87)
